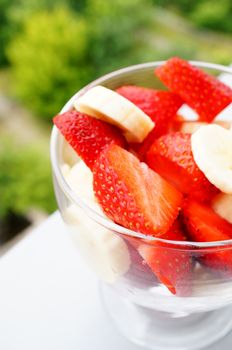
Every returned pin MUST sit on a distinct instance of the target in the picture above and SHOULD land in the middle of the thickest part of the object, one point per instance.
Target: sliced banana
(192, 126)
(212, 151)
(222, 205)
(108, 105)
(69, 155)
(65, 169)
(80, 179)
(105, 252)
(226, 124)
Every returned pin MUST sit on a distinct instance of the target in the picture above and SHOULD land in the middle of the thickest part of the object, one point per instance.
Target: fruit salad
(147, 169)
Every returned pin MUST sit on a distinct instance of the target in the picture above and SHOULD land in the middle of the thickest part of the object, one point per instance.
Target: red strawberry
(204, 225)
(87, 136)
(171, 157)
(160, 106)
(172, 264)
(133, 195)
(204, 93)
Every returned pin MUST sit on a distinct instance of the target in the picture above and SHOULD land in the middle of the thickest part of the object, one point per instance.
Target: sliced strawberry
(201, 91)
(133, 195)
(204, 225)
(87, 136)
(172, 264)
(171, 156)
(161, 106)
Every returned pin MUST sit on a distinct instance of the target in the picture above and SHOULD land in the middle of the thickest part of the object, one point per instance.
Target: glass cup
(198, 311)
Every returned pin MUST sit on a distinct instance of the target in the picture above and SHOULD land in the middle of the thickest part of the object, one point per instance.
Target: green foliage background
(49, 60)
(51, 48)
(210, 14)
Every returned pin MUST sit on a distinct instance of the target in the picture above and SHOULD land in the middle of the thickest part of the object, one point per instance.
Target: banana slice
(222, 205)
(105, 252)
(80, 179)
(212, 151)
(191, 126)
(108, 105)
(69, 155)
(65, 169)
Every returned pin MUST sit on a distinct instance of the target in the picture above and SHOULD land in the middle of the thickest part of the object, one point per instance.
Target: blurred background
(51, 48)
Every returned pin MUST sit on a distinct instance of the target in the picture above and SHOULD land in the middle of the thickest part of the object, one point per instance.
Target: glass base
(163, 331)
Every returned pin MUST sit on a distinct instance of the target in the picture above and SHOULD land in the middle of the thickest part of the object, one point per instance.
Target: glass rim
(93, 214)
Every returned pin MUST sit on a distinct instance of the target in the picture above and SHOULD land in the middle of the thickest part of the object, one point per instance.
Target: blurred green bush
(211, 14)
(5, 29)
(49, 60)
(116, 30)
(13, 14)
(25, 179)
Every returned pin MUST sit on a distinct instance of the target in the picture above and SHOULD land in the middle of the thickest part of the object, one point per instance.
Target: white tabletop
(49, 300)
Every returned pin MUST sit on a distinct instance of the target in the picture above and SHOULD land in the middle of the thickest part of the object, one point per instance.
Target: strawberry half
(171, 156)
(88, 136)
(172, 264)
(204, 225)
(133, 195)
(201, 91)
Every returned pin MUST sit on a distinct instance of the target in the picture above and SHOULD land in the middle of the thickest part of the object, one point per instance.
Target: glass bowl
(193, 315)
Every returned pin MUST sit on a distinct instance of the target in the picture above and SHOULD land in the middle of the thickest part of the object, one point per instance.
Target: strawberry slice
(204, 225)
(171, 264)
(88, 136)
(201, 91)
(133, 195)
(171, 156)
(161, 106)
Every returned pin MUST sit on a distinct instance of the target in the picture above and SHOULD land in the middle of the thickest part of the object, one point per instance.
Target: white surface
(49, 300)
